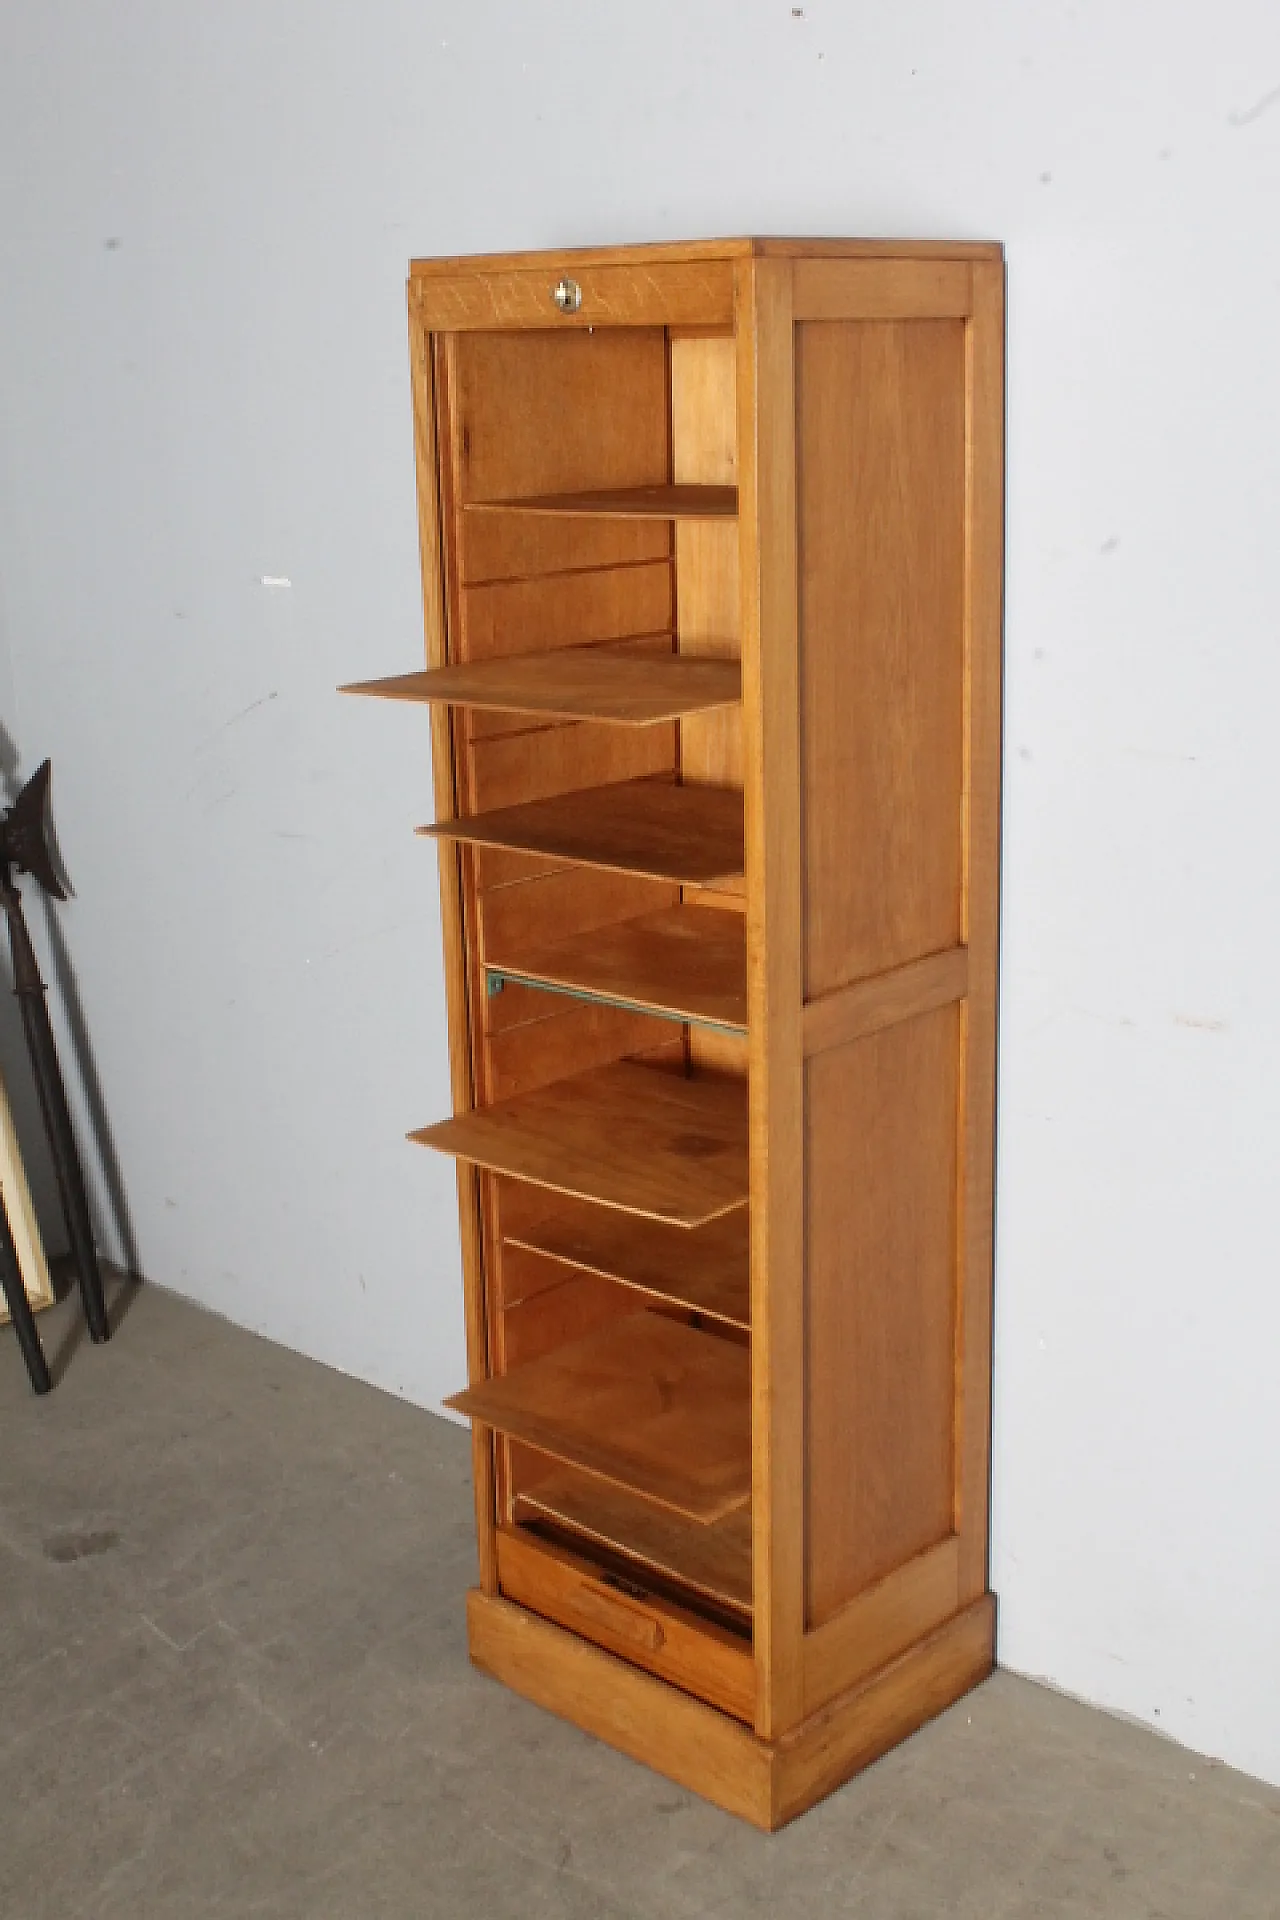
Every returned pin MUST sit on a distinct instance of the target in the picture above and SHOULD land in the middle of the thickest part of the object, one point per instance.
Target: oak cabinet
(711, 550)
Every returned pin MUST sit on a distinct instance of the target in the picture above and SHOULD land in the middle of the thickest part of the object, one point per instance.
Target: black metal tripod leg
(15, 1297)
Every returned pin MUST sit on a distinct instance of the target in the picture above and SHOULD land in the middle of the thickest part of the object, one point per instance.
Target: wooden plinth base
(765, 1782)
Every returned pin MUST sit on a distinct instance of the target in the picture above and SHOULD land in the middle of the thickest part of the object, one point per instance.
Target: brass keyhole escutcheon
(567, 295)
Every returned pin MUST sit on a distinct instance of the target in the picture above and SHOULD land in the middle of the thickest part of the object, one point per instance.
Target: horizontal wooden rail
(882, 290)
(692, 293)
(878, 1625)
(866, 1006)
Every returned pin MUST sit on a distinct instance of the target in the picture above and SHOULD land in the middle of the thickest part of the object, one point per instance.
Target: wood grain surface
(691, 835)
(690, 962)
(703, 1268)
(713, 1559)
(645, 1402)
(662, 1144)
(578, 683)
(626, 503)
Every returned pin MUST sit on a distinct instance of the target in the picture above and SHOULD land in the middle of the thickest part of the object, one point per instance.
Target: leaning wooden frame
(23, 1224)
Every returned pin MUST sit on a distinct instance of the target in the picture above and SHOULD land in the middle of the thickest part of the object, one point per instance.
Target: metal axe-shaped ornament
(24, 833)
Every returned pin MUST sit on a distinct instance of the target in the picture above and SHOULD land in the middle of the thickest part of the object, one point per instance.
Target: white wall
(205, 222)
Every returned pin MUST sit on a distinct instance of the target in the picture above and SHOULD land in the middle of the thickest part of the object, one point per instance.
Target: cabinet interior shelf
(691, 835)
(713, 1559)
(625, 503)
(664, 1144)
(683, 963)
(704, 1268)
(575, 683)
(645, 1402)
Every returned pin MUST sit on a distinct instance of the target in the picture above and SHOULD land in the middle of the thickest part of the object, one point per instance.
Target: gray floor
(234, 1682)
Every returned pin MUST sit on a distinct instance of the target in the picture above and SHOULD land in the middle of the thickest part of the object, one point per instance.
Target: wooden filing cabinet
(712, 555)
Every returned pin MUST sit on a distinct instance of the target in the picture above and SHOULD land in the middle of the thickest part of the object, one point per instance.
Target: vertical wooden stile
(422, 371)
(767, 495)
(984, 536)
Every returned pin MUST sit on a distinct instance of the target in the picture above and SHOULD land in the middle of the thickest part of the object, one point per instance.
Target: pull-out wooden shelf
(691, 835)
(645, 1402)
(705, 1268)
(576, 683)
(712, 1559)
(627, 503)
(686, 963)
(663, 1144)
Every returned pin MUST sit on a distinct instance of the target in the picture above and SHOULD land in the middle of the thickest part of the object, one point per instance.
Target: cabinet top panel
(673, 252)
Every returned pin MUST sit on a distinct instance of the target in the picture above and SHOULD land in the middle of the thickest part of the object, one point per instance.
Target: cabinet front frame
(687, 296)
(422, 361)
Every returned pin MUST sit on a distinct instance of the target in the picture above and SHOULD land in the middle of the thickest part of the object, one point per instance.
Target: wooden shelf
(645, 1402)
(691, 835)
(644, 1140)
(575, 683)
(626, 503)
(686, 963)
(714, 1559)
(706, 1268)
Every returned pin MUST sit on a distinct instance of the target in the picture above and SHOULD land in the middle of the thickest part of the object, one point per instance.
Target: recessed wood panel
(881, 1128)
(703, 1268)
(574, 1036)
(552, 1318)
(536, 413)
(504, 617)
(880, 490)
(564, 901)
(509, 768)
(524, 1275)
(688, 963)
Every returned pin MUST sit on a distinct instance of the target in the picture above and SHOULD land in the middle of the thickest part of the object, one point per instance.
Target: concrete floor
(234, 1682)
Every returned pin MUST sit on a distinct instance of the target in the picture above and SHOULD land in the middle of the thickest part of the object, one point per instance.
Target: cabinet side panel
(881, 428)
(880, 1226)
(881, 487)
